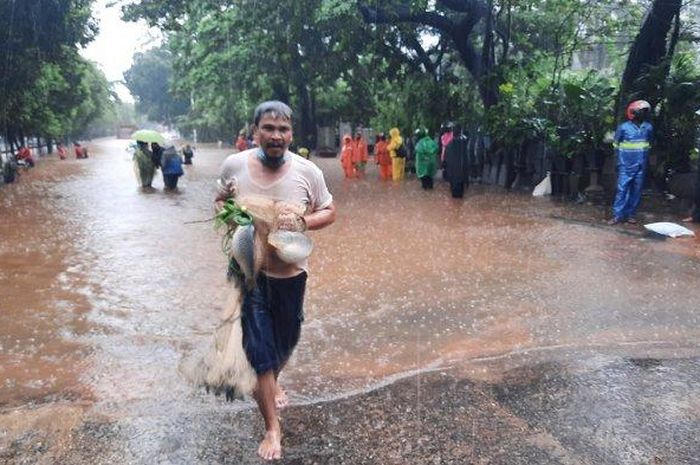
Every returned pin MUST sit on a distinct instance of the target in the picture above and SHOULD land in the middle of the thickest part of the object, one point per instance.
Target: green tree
(38, 36)
(150, 79)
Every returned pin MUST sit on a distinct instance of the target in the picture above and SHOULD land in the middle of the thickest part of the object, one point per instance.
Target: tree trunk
(459, 29)
(650, 47)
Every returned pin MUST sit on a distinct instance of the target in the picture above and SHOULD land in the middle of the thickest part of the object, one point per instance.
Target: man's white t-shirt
(302, 184)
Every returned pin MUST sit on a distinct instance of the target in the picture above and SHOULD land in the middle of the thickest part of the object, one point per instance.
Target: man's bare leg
(281, 398)
(271, 445)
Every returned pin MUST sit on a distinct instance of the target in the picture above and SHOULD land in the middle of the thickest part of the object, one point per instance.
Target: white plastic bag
(544, 187)
(669, 229)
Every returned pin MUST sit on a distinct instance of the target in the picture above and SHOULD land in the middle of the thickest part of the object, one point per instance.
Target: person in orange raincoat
(381, 151)
(359, 154)
(62, 152)
(25, 154)
(241, 143)
(398, 162)
(346, 157)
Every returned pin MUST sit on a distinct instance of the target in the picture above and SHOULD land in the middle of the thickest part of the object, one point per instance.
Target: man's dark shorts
(272, 315)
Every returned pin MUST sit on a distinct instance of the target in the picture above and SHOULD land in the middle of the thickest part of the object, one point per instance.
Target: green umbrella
(148, 135)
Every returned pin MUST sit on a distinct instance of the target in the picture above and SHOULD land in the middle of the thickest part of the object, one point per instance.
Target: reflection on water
(105, 287)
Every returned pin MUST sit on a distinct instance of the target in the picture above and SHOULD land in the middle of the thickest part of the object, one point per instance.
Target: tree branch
(477, 7)
(423, 56)
(402, 14)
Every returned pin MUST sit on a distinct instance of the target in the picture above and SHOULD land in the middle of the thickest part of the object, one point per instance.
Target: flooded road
(508, 315)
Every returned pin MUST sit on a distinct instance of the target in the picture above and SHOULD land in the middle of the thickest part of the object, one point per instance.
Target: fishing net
(225, 369)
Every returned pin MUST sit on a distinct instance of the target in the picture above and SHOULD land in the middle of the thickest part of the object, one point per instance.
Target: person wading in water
(272, 310)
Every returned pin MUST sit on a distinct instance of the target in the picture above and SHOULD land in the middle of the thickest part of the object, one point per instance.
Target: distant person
(171, 166)
(446, 135)
(61, 151)
(346, 160)
(426, 158)
(156, 154)
(304, 152)
(143, 164)
(457, 162)
(188, 154)
(241, 143)
(359, 154)
(695, 214)
(633, 140)
(410, 154)
(381, 152)
(25, 154)
(397, 151)
(81, 151)
(9, 168)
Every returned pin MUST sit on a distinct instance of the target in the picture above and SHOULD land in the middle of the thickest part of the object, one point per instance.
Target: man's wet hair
(275, 109)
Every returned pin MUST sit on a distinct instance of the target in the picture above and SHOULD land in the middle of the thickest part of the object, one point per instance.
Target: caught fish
(291, 247)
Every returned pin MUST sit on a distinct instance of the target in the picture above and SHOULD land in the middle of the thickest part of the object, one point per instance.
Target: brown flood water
(105, 288)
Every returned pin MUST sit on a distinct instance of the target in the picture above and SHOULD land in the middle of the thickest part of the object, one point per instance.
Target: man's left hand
(291, 222)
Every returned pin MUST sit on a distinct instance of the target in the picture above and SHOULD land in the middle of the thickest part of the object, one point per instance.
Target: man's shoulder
(307, 169)
(305, 165)
(238, 157)
(627, 126)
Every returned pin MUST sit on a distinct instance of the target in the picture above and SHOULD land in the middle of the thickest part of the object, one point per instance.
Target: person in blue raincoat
(633, 140)
(171, 165)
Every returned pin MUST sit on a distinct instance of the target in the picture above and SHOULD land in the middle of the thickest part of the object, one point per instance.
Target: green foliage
(46, 88)
(582, 109)
(573, 116)
(322, 58)
(678, 95)
(515, 119)
(420, 101)
(150, 80)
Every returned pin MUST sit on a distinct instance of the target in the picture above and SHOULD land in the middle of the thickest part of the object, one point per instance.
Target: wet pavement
(498, 329)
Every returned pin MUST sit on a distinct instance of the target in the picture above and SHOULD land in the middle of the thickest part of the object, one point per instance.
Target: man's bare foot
(271, 446)
(631, 220)
(281, 398)
(613, 221)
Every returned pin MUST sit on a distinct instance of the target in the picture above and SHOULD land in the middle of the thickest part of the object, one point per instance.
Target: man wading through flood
(272, 310)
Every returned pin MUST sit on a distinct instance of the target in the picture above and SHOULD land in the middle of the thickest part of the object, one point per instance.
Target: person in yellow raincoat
(398, 162)
(346, 157)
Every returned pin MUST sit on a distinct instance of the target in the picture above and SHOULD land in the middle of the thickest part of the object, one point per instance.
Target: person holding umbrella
(143, 157)
(143, 164)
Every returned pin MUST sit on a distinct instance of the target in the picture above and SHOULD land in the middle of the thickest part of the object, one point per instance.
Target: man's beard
(270, 161)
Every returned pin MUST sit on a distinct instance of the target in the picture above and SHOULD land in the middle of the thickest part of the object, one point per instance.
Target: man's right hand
(227, 190)
(224, 192)
(218, 206)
